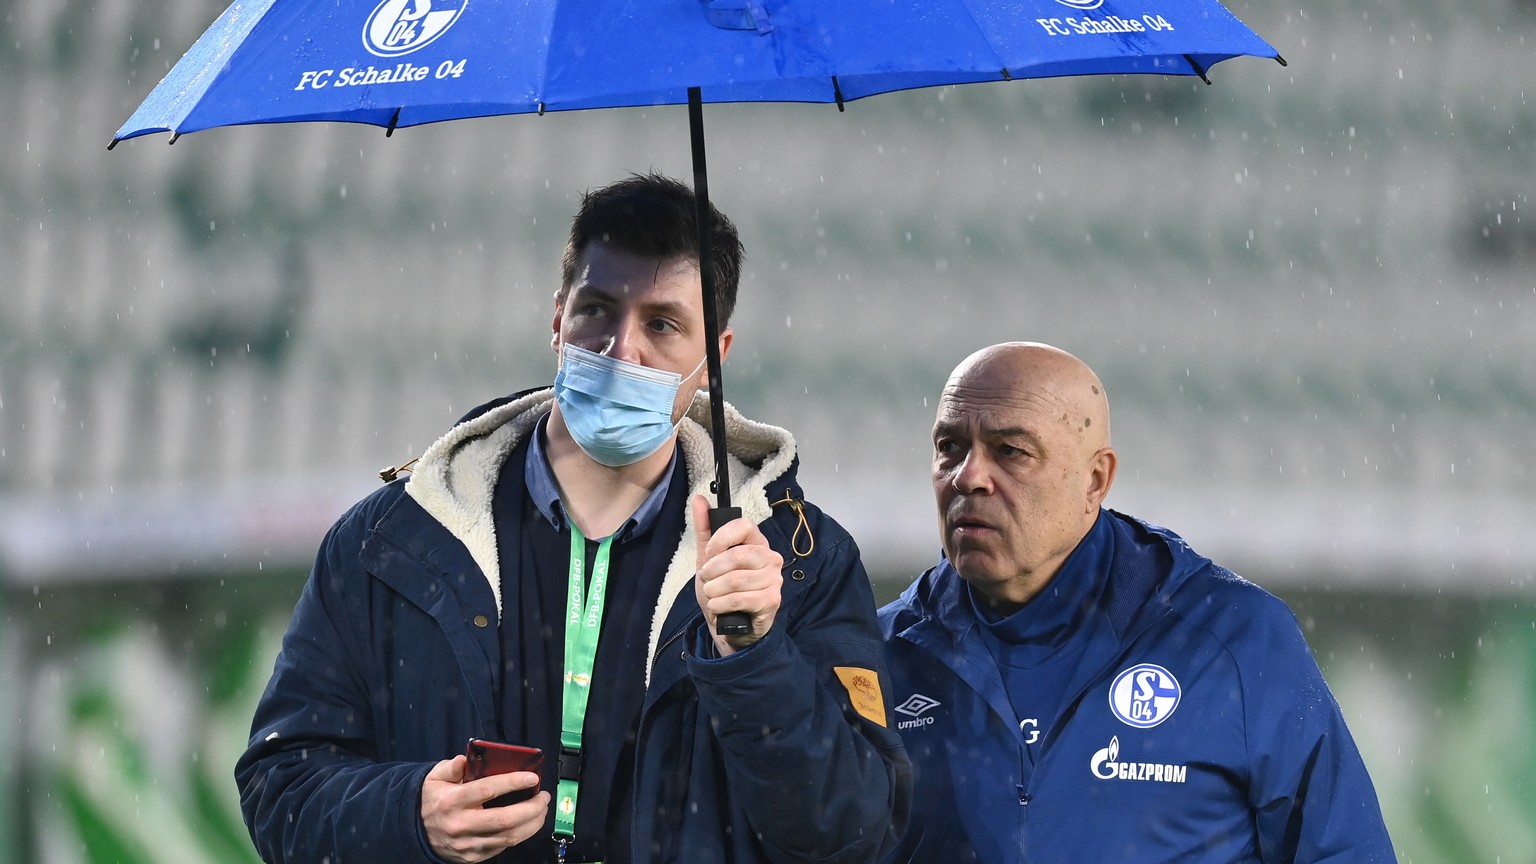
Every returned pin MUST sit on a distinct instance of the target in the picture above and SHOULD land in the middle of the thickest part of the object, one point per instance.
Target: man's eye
(662, 325)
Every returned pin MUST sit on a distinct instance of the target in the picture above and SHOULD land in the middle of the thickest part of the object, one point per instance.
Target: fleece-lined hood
(455, 480)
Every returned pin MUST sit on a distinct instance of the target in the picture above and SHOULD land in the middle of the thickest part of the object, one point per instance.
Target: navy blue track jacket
(1210, 737)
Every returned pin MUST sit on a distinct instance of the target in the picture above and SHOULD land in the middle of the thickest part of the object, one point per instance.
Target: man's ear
(726, 337)
(554, 326)
(702, 377)
(1101, 476)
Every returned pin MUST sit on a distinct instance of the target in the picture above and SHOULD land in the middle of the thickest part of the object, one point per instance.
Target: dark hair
(654, 216)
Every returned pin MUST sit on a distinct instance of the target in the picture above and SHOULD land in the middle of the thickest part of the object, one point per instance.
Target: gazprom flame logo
(1084, 5)
(1106, 765)
(401, 26)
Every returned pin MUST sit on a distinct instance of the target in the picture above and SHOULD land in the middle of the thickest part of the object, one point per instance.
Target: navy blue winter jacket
(389, 666)
(1210, 737)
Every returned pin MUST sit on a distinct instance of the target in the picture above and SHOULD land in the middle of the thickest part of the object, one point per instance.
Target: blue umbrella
(407, 62)
(400, 63)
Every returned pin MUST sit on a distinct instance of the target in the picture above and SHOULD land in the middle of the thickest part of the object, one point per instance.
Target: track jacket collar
(1149, 565)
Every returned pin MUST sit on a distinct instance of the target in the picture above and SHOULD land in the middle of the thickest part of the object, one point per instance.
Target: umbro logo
(916, 704)
(915, 707)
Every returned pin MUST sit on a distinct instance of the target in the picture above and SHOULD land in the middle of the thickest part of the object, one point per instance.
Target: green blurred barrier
(138, 701)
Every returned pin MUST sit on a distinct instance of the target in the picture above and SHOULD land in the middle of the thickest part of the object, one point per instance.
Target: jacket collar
(1149, 565)
(455, 480)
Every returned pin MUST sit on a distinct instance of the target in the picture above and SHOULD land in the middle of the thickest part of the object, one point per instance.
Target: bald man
(1075, 685)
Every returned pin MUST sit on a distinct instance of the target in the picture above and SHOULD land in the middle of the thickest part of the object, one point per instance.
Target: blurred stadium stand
(1309, 289)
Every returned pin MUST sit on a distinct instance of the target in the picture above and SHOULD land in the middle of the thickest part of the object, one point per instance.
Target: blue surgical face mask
(619, 412)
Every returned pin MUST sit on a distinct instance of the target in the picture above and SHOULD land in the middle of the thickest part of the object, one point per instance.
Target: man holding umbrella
(1074, 684)
(573, 515)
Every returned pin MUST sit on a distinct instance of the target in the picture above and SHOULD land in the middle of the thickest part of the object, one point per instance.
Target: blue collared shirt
(545, 492)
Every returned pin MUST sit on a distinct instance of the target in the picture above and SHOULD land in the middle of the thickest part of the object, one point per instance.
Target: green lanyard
(583, 625)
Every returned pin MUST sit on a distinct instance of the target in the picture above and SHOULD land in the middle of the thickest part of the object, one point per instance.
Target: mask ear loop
(705, 389)
(696, 371)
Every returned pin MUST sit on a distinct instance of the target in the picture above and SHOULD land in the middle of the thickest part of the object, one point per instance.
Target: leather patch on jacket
(863, 687)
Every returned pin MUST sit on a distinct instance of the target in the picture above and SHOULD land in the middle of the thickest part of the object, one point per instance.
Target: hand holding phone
(493, 757)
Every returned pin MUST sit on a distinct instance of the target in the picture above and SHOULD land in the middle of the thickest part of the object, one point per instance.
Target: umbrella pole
(722, 483)
(731, 623)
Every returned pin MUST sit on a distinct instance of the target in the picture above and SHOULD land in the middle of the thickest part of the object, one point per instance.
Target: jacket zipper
(1048, 735)
(661, 649)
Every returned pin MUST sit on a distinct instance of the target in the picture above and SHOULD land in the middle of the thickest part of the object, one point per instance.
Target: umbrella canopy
(403, 63)
(407, 62)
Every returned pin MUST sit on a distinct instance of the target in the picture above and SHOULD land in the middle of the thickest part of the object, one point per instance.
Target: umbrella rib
(1196, 67)
(837, 92)
(393, 121)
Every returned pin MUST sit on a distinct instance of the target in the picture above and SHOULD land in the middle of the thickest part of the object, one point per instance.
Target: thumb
(701, 527)
(449, 770)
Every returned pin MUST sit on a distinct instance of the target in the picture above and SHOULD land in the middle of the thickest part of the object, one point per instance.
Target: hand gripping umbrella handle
(731, 623)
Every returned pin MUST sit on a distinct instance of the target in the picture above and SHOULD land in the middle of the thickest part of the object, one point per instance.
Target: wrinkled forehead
(982, 406)
(999, 392)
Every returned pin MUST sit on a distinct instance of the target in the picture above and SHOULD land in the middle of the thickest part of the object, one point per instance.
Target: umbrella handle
(731, 623)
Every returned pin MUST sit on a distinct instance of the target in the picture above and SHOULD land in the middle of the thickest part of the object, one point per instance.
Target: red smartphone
(493, 757)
